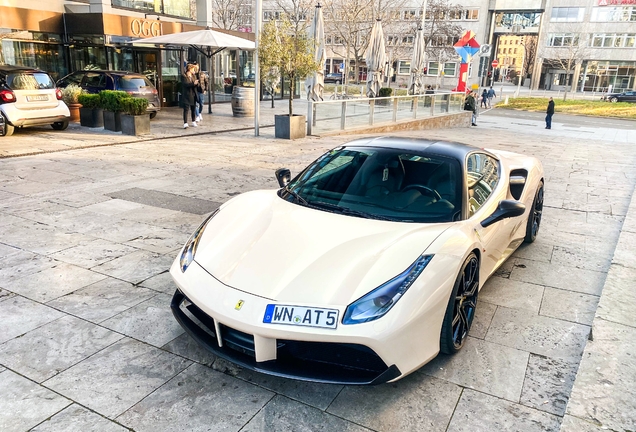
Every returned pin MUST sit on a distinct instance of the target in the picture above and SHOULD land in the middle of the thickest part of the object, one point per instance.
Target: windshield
(133, 83)
(30, 81)
(381, 183)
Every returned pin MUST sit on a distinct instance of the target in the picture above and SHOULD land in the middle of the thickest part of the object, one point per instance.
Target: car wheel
(534, 218)
(60, 125)
(8, 129)
(153, 115)
(461, 307)
(613, 99)
(337, 82)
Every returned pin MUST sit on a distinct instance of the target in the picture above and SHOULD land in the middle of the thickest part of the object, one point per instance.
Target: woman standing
(189, 82)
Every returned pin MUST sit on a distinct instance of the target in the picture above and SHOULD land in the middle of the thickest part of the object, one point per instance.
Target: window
(433, 68)
(30, 81)
(567, 14)
(613, 40)
(472, 14)
(449, 69)
(515, 51)
(563, 39)
(271, 16)
(609, 14)
(483, 176)
(404, 67)
(456, 14)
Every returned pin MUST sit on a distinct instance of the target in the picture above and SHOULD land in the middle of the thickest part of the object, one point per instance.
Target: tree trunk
(291, 94)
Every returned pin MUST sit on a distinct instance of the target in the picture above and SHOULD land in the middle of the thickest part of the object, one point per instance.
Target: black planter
(290, 127)
(135, 125)
(92, 117)
(112, 121)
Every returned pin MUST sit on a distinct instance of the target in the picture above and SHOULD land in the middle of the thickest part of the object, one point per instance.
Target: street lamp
(523, 60)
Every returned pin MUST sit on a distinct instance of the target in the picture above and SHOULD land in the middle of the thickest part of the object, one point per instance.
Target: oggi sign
(145, 28)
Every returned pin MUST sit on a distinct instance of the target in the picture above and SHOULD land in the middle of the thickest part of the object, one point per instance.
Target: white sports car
(363, 267)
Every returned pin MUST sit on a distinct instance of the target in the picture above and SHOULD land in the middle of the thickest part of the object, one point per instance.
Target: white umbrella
(208, 42)
(417, 63)
(376, 59)
(315, 84)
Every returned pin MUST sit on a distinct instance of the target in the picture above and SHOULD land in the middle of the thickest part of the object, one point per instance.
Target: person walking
(189, 82)
(484, 99)
(201, 89)
(549, 114)
(491, 94)
(470, 105)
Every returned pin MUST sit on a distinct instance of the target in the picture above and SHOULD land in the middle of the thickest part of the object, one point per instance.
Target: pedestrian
(470, 105)
(484, 99)
(204, 81)
(491, 94)
(549, 114)
(189, 82)
(429, 89)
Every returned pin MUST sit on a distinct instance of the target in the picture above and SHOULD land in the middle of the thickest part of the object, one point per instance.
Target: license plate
(301, 316)
(37, 98)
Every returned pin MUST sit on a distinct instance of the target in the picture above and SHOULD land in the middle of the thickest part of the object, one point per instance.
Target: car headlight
(379, 301)
(190, 248)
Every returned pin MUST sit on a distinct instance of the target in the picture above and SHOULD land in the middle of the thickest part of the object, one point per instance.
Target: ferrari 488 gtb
(364, 266)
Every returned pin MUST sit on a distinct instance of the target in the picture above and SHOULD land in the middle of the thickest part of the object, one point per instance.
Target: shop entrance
(146, 64)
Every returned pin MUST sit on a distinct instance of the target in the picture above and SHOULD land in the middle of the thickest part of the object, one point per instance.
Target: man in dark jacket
(549, 114)
(470, 105)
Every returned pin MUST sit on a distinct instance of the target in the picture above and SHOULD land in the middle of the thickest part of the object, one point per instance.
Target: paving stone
(625, 254)
(581, 258)
(416, 402)
(197, 399)
(151, 321)
(53, 282)
(93, 253)
(162, 282)
(480, 365)
(535, 251)
(158, 239)
(21, 315)
(76, 418)
(526, 331)
(548, 384)
(24, 403)
(483, 318)
(569, 306)
(282, 414)
(40, 238)
(112, 207)
(512, 294)
(21, 264)
(573, 424)
(7, 251)
(478, 412)
(116, 378)
(187, 347)
(52, 348)
(619, 286)
(102, 300)
(136, 266)
(604, 390)
(79, 199)
(559, 276)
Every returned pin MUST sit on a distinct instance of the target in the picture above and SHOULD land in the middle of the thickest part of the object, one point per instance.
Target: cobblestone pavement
(88, 342)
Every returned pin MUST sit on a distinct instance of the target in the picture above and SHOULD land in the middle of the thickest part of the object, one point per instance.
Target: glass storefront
(179, 8)
(36, 50)
(600, 75)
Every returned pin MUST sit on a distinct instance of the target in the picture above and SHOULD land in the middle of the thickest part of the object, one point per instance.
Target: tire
(8, 129)
(534, 218)
(153, 115)
(461, 307)
(60, 126)
(613, 99)
(337, 82)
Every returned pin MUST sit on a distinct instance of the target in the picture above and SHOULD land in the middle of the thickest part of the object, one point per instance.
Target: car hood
(266, 246)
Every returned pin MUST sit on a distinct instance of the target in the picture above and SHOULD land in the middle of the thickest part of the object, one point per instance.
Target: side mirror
(283, 175)
(506, 209)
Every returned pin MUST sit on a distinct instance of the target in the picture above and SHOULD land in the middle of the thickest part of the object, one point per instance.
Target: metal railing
(334, 115)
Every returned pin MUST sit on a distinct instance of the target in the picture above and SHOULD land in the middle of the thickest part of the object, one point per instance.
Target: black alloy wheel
(534, 218)
(613, 99)
(461, 307)
(60, 126)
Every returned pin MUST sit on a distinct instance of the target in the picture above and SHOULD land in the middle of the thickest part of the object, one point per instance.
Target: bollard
(506, 101)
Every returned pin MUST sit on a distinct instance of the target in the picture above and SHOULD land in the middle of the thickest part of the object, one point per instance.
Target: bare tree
(441, 33)
(231, 14)
(298, 12)
(530, 45)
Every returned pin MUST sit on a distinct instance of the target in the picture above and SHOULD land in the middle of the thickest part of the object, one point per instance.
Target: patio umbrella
(417, 63)
(208, 42)
(376, 59)
(315, 84)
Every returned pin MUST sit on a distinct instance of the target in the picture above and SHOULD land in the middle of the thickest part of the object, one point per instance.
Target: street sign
(495, 63)
(484, 50)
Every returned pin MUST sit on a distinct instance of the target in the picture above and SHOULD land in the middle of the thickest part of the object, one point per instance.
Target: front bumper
(325, 362)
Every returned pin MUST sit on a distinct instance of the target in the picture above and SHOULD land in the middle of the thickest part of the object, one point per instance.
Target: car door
(630, 96)
(485, 190)
(94, 82)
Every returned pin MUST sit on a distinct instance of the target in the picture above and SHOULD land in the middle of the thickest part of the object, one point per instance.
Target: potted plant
(70, 95)
(110, 101)
(384, 92)
(290, 49)
(91, 113)
(134, 119)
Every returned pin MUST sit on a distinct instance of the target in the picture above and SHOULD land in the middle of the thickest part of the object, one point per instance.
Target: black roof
(9, 69)
(110, 72)
(422, 146)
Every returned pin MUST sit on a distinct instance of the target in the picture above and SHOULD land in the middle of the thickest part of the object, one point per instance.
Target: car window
(95, 80)
(30, 81)
(482, 176)
(133, 83)
(75, 78)
(381, 183)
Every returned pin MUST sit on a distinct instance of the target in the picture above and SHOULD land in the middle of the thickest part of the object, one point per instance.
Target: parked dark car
(334, 78)
(137, 85)
(627, 96)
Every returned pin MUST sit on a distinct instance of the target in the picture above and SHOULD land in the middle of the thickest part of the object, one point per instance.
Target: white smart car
(363, 267)
(28, 97)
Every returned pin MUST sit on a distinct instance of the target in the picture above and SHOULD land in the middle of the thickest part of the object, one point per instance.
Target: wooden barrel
(243, 101)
